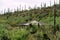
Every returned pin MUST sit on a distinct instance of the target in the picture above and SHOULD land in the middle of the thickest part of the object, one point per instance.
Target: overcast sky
(13, 4)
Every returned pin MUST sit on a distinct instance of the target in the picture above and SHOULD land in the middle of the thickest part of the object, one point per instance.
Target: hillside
(10, 30)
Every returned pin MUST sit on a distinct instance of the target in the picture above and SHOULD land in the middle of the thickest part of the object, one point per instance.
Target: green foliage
(44, 15)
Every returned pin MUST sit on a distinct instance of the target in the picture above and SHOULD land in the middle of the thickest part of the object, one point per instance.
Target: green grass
(18, 33)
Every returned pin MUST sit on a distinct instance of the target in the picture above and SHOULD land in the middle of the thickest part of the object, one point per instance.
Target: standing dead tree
(54, 18)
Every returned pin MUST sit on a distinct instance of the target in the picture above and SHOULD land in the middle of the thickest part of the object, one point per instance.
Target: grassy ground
(8, 32)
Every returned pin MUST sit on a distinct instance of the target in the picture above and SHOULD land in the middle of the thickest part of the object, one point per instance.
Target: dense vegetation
(9, 30)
